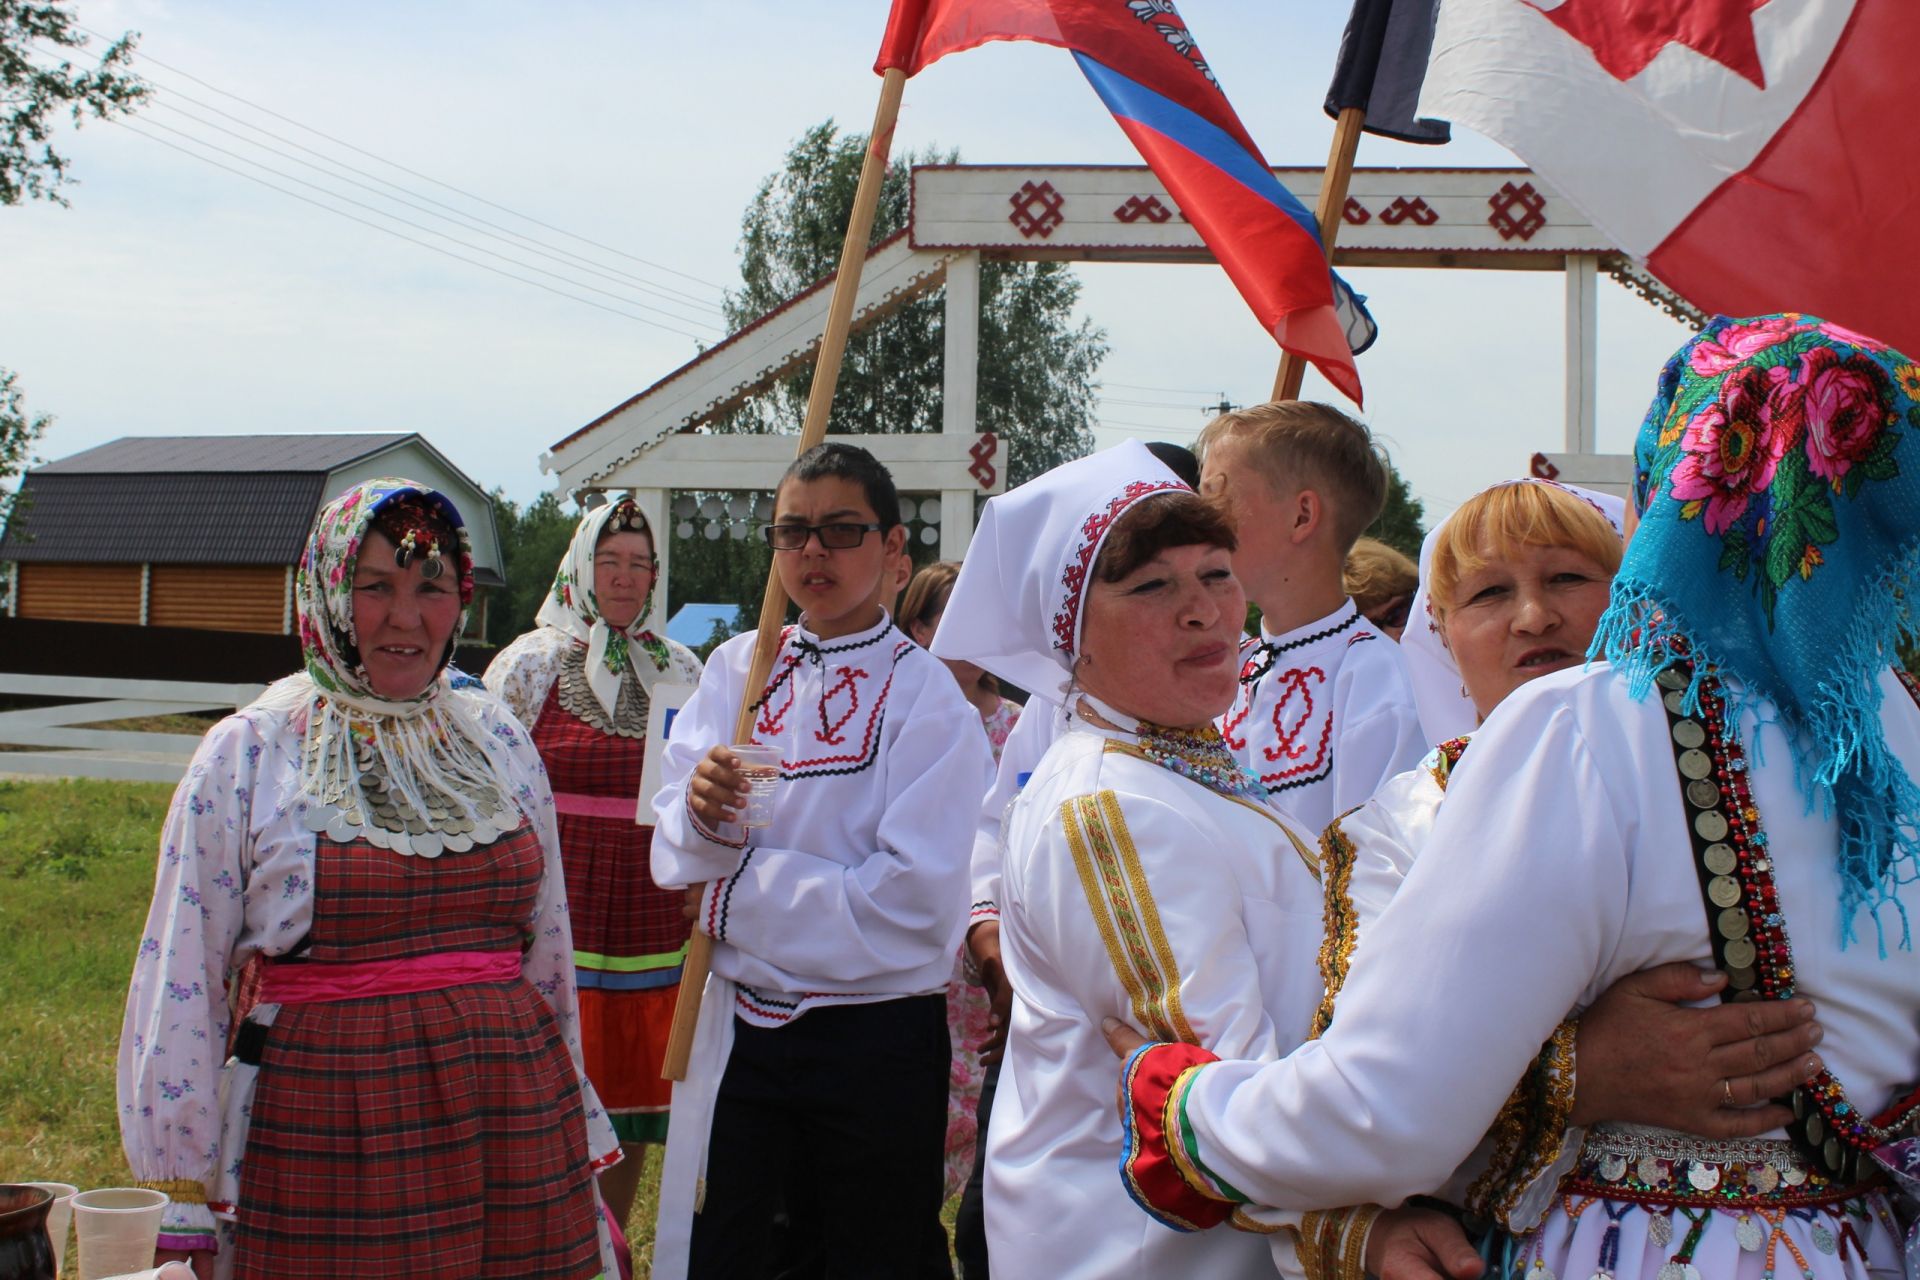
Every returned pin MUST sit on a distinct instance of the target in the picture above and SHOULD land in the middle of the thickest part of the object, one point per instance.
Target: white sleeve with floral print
(522, 674)
(236, 879)
(214, 904)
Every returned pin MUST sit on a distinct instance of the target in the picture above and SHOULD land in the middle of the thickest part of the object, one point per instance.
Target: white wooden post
(960, 392)
(1583, 283)
(653, 505)
(286, 602)
(956, 523)
(146, 590)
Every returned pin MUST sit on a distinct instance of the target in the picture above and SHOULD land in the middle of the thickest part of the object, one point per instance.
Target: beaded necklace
(1743, 908)
(1201, 755)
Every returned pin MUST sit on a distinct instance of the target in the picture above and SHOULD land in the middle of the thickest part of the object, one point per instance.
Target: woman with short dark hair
(1143, 873)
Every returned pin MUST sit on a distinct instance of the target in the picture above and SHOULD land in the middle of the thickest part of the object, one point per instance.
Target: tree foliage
(1037, 366)
(1400, 523)
(19, 432)
(39, 83)
(532, 540)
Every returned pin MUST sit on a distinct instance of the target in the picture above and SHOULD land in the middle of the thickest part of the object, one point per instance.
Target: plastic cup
(59, 1218)
(762, 767)
(117, 1229)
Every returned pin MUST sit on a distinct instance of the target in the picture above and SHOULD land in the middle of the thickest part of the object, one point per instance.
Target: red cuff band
(1147, 1165)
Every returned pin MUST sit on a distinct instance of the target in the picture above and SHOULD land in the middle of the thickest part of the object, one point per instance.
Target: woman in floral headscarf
(580, 682)
(1756, 814)
(406, 1097)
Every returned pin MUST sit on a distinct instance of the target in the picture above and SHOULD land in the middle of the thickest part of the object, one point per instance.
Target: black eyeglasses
(834, 537)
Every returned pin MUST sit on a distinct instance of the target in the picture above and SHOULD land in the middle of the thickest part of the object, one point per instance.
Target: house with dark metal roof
(204, 532)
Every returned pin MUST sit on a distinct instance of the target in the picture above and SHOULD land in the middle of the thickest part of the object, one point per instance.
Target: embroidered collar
(840, 732)
(815, 650)
(1270, 647)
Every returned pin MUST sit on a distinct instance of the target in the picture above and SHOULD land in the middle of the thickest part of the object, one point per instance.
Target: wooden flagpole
(1327, 211)
(773, 605)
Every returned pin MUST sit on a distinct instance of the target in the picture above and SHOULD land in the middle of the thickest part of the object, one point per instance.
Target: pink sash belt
(583, 806)
(318, 983)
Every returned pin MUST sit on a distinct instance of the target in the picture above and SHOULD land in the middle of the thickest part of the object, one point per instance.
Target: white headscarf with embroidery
(571, 608)
(1017, 607)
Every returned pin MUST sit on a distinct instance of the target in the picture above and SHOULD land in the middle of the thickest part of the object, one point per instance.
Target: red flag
(1757, 155)
(1145, 65)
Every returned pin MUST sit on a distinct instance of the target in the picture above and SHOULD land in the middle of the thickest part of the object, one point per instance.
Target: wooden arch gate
(1503, 219)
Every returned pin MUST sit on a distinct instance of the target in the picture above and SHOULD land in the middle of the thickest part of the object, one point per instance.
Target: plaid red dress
(436, 1134)
(628, 935)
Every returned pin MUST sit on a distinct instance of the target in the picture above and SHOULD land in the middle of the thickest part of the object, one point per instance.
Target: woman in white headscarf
(580, 682)
(1143, 873)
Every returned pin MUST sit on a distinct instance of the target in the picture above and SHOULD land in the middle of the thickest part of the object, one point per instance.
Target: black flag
(1383, 59)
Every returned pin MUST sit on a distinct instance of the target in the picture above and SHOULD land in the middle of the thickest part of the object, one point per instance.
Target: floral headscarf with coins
(571, 608)
(414, 775)
(1777, 476)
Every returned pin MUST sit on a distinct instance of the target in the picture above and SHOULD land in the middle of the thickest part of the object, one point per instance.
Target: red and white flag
(1757, 155)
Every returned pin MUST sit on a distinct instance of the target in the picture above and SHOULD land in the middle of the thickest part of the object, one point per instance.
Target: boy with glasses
(819, 1074)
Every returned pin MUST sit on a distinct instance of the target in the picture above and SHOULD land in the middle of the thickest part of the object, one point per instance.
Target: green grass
(76, 871)
(76, 874)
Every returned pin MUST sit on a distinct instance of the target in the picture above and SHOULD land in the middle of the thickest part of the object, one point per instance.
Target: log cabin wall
(80, 592)
(218, 597)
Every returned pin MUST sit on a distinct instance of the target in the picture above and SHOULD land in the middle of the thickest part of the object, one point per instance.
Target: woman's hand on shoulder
(1643, 1057)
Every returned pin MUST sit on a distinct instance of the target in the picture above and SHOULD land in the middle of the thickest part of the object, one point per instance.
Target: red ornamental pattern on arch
(1073, 580)
(1037, 209)
(981, 468)
(1416, 210)
(1531, 206)
(1138, 207)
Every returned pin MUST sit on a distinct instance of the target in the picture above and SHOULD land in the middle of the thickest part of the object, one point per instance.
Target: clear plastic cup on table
(59, 1218)
(761, 765)
(117, 1229)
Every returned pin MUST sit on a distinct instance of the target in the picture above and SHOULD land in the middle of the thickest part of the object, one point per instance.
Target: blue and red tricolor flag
(1142, 61)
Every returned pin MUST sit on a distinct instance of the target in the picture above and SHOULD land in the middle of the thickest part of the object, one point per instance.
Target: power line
(402, 235)
(406, 222)
(1155, 404)
(1169, 391)
(471, 221)
(1150, 426)
(658, 266)
(611, 279)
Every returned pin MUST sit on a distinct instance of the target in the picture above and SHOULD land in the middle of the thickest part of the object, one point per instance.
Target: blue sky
(174, 297)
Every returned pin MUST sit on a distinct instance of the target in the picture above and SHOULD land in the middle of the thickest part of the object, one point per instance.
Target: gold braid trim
(1313, 1229)
(1333, 1242)
(1342, 923)
(1121, 902)
(178, 1190)
(1530, 1130)
(1553, 1080)
(1353, 1256)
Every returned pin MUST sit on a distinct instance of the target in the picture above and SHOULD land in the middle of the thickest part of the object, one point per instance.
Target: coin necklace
(1749, 932)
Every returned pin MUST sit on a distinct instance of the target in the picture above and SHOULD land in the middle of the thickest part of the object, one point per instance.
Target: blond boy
(1325, 713)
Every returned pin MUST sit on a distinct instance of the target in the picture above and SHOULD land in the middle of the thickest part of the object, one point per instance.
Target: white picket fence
(120, 754)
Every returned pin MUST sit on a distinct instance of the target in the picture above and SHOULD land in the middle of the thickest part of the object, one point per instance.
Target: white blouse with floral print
(235, 880)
